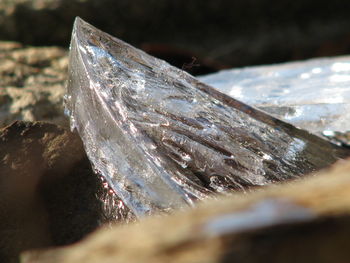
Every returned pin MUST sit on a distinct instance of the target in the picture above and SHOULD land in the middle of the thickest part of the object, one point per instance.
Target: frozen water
(313, 95)
(162, 139)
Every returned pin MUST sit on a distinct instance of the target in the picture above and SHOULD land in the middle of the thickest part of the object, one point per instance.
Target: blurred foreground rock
(48, 192)
(32, 83)
(304, 221)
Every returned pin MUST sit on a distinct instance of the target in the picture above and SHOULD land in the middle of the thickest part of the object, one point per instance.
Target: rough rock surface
(304, 221)
(32, 83)
(48, 192)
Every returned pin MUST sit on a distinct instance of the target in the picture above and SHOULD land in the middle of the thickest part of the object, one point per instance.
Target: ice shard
(313, 94)
(162, 139)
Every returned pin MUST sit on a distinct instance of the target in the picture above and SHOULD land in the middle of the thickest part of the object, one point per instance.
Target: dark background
(218, 33)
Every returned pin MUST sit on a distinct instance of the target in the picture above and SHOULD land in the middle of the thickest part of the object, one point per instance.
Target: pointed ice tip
(79, 24)
(76, 25)
(78, 33)
(78, 21)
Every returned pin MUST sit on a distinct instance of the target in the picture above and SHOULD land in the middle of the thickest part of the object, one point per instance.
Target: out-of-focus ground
(220, 33)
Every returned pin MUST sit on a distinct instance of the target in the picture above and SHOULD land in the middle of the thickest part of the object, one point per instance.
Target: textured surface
(313, 95)
(32, 83)
(308, 221)
(162, 139)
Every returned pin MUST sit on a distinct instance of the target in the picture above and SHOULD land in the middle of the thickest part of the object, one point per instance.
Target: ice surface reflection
(313, 95)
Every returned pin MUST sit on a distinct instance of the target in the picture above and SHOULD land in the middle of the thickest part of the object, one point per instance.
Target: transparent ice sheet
(313, 94)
